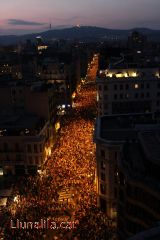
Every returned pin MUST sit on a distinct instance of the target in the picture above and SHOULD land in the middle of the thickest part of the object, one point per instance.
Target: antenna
(50, 25)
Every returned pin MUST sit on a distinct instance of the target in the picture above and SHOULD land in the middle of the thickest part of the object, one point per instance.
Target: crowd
(71, 166)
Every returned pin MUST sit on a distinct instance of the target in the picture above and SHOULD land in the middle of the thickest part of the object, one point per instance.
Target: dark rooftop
(123, 127)
(20, 125)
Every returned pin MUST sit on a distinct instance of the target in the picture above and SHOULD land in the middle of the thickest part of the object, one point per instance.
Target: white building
(128, 91)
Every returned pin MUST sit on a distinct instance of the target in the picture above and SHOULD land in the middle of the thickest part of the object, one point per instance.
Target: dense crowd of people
(70, 169)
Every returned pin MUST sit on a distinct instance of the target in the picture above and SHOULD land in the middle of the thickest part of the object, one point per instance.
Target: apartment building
(130, 90)
(25, 143)
(127, 177)
(37, 98)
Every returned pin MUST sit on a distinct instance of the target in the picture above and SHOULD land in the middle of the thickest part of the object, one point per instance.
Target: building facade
(25, 143)
(128, 91)
(123, 172)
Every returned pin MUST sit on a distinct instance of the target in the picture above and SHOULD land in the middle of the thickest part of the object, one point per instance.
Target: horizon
(21, 17)
(22, 32)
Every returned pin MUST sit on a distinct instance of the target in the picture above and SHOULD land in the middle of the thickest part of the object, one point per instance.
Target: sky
(23, 16)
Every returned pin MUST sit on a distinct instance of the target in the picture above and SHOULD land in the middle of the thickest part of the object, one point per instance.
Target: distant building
(137, 41)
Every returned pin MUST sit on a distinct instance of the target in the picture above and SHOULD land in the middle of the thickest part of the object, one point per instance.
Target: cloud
(23, 22)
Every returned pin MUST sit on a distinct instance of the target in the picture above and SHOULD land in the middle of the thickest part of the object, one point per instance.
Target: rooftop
(151, 234)
(131, 73)
(151, 145)
(19, 125)
(125, 126)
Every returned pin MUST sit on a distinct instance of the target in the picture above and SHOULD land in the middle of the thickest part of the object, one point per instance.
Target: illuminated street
(67, 188)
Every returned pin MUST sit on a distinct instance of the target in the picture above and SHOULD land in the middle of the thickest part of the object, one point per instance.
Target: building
(121, 194)
(151, 234)
(36, 98)
(130, 90)
(138, 182)
(25, 143)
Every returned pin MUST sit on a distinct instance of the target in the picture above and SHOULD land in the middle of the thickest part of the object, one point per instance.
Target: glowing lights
(73, 95)
(1, 172)
(16, 198)
(42, 47)
(57, 126)
(123, 74)
(26, 131)
(97, 97)
(48, 151)
(136, 86)
(119, 75)
(82, 81)
(70, 171)
(134, 74)
(157, 74)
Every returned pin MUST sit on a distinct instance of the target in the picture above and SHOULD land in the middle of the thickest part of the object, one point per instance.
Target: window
(158, 103)
(115, 87)
(148, 85)
(40, 147)
(35, 148)
(29, 149)
(17, 147)
(18, 158)
(105, 88)
(147, 95)
(106, 106)
(105, 97)
(115, 96)
(136, 86)
(100, 87)
(121, 96)
(158, 85)
(13, 92)
(127, 96)
(127, 86)
(5, 146)
(121, 87)
(102, 153)
(115, 192)
(36, 160)
(103, 165)
(115, 155)
(103, 205)
(30, 160)
(136, 95)
(142, 85)
(103, 176)
(142, 95)
(158, 94)
(103, 188)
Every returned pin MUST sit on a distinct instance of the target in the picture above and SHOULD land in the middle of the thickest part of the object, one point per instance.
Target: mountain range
(83, 33)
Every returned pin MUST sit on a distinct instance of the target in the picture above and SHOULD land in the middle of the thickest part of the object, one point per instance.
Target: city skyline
(19, 17)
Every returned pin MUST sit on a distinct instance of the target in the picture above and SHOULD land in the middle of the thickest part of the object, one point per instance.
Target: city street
(66, 192)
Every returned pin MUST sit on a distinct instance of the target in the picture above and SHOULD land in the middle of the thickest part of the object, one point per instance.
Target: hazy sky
(31, 15)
